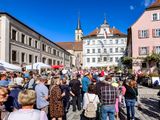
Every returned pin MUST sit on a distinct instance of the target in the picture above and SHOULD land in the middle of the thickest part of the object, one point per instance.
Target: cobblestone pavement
(149, 101)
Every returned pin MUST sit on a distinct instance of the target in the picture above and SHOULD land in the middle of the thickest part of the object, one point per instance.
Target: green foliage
(153, 57)
(127, 61)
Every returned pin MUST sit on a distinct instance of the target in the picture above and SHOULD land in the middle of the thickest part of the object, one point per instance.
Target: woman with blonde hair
(27, 99)
(130, 99)
(56, 105)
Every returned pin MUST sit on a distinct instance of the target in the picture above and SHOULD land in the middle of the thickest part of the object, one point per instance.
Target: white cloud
(148, 2)
(131, 7)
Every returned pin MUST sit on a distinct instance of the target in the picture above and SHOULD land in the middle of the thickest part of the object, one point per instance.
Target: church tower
(78, 32)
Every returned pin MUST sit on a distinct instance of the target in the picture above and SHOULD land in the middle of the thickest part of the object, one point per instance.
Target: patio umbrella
(56, 66)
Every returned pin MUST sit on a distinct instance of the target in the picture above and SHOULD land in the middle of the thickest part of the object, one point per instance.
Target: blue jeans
(107, 110)
(130, 104)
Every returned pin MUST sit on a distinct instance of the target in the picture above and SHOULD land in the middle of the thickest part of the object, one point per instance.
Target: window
(93, 42)
(116, 50)
(58, 63)
(50, 61)
(36, 44)
(116, 41)
(54, 62)
(30, 58)
(49, 50)
(143, 50)
(105, 42)
(99, 59)
(36, 59)
(23, 57)
(44, 60)
(156, 32)
(54, 52)
(93, 60)
(93, 50)
(99, 50)
(30, 41)
(111, 42)
(157, 49)
(116, 59)
(144, 65)
(14, 34)
(14, 55)
(88, 50)
(88, 60)
(111, 50)
(122, 41)
(105, 50)
(111, 59)
(105, 59)
(43, 47)
(88, 42)
(155, 17)
(58, 53)
(23, 38)
(122, 49)
(143, 33)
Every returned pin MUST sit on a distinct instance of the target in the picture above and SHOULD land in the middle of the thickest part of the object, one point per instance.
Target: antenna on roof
(105, 21)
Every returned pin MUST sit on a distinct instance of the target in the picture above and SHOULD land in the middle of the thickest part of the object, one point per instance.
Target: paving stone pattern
(150, 109)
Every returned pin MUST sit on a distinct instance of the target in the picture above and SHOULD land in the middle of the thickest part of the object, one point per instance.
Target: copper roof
(155, 5)
(76, 46)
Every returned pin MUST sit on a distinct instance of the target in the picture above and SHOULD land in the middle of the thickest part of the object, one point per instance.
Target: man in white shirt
(19, 80)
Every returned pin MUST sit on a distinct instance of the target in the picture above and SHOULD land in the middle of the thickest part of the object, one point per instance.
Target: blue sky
(57, 19)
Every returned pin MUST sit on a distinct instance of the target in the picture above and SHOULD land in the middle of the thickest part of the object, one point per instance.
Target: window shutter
(139, 33)
(153, 32)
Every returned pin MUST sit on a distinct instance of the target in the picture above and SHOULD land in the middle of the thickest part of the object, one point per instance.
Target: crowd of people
(49, 96)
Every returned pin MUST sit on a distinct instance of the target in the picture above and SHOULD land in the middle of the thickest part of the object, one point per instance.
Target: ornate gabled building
(103, 47)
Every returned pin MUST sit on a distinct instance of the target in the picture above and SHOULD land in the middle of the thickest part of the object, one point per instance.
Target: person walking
(42, 95)
(75, 87)
(130, 99)
(56, 104)
(108, 95)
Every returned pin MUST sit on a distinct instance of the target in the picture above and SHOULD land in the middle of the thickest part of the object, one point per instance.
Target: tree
(126, 61)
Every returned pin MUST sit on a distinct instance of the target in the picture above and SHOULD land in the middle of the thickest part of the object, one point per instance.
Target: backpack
(90, 111)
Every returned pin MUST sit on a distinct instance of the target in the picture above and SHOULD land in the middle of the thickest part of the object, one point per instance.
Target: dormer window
(155, 17)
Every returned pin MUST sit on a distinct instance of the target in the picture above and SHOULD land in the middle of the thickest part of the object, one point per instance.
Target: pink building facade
(144, 37)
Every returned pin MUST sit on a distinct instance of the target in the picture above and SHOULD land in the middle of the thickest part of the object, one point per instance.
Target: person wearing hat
(42, 94)
(108, 95)
(85, 83)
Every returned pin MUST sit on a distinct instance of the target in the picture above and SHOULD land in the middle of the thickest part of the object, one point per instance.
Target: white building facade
(103, 47)
(21, 45)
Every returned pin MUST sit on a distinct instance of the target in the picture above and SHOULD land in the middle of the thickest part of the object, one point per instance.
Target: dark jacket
(131, 93)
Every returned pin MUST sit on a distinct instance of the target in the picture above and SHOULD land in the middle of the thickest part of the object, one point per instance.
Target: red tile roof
(77, 46)
(155, 5)
(112, 30)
